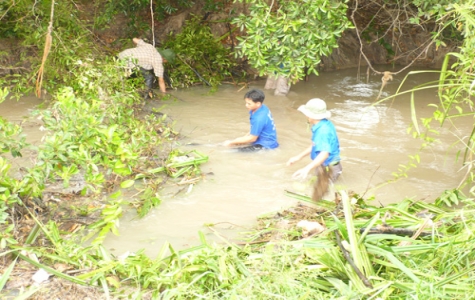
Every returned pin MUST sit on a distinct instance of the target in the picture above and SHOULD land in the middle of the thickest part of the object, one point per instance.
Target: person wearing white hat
(324, 150)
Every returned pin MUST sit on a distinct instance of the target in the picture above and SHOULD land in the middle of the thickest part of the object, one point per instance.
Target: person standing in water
(150, 62)
(262, 134)
(324, 150)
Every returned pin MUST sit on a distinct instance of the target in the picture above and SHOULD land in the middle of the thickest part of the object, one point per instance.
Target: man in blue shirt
(324, 150)
(262, 134)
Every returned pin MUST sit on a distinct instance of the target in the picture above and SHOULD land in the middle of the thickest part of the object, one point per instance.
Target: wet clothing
(262, 126)
(324, 138)
(251, 148)
(325, 175)
(149, 78)
(335, 171)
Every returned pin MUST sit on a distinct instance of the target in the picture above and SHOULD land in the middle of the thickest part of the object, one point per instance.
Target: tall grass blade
(414, 116)
(33, 235)
(394, 262)
(322, 203)
(27, 295)
(105, 287)
(51, 270)
(443, 76)
(358, 253)
(454, 277)
(95, 273)
(6, 275)
(368, 227)
(203, 238)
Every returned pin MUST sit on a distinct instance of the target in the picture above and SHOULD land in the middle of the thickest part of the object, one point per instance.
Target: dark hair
(255, 95)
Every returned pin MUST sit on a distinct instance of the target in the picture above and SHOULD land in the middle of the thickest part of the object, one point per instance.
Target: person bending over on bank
(149, 61)
(263, 134)
(324, 150)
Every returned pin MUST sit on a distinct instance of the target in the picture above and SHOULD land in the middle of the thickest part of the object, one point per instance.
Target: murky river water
(238, 187)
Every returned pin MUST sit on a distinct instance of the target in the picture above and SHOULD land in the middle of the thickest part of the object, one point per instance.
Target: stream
(237, 187)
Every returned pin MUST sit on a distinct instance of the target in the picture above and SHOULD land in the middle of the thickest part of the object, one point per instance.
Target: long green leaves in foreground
(455, 89)
(405, 250)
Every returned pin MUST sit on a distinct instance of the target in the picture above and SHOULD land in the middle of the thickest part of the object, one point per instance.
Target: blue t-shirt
(262, 126)
(324, 138)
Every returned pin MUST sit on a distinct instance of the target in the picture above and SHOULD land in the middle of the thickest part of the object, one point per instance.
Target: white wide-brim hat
(315, 109)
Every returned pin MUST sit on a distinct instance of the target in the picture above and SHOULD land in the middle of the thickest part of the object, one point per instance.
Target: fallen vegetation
(98, 142)
(353, 250)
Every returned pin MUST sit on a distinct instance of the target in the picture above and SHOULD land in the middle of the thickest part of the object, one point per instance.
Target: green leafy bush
(11, 138)
(289, 38)
(200, 57)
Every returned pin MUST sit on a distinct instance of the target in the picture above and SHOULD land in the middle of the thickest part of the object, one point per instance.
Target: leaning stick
(196, 72)
(153, 24)
(49, 40)
(348, 258)
(396, 231)
(426, 223)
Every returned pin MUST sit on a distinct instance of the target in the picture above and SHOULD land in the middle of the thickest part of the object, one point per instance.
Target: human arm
(161, 84)
(299, 156)
(247, 139)
(159, 70)
(317, 161)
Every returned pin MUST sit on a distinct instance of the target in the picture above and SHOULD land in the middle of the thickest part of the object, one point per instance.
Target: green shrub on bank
(200, 57)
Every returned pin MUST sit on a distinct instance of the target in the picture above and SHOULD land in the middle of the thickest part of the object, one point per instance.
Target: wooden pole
(153, 23)
(48, 41)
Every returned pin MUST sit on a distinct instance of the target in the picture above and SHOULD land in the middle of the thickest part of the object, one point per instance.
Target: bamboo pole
(49, 40)
(153, 23)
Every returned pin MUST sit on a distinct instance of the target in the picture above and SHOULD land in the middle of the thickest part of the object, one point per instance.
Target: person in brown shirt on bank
(148, 59)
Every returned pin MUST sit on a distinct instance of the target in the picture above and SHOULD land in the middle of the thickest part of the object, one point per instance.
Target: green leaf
(6, 275)
(126, 184)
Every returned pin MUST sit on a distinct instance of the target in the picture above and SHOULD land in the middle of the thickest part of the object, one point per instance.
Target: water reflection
(349, 87)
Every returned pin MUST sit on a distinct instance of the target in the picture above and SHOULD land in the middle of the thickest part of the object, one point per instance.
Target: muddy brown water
(239, 187)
